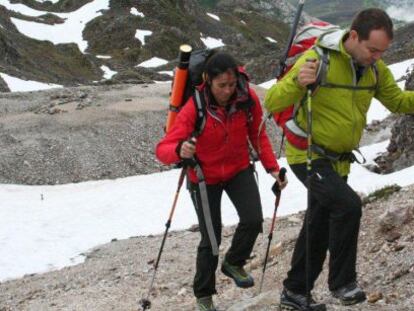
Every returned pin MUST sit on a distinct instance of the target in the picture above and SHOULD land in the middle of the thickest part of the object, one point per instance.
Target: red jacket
(222, 147)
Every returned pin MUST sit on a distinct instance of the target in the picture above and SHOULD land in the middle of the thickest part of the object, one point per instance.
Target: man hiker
(340, 100)
(233, 114)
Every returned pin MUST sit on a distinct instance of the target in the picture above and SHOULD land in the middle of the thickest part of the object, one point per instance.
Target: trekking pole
(276, 190)
(309, 198)
(280, 70)
(145, 302)
(282, 62)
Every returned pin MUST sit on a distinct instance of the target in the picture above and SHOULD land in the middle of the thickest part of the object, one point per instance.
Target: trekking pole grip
(282, 175)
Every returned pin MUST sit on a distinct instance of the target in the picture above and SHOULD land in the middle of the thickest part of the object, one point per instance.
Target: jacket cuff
(296, 81)
(178, 148)
(273, 169)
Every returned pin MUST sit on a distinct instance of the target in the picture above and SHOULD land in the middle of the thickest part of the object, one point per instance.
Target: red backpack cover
(305, 39)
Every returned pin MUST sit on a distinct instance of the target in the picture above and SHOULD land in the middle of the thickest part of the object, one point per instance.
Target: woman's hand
(282, 184)
(188, 149)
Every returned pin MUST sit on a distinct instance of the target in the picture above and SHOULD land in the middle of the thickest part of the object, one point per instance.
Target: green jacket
(339, 115)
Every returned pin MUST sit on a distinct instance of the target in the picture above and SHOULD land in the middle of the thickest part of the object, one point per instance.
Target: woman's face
(223, 87)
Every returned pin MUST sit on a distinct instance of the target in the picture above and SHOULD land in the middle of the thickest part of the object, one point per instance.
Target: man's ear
(353, 35)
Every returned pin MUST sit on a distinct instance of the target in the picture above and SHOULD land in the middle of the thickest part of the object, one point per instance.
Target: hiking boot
(238, 274)
(206, 304)
(349, 294)
(292, 301)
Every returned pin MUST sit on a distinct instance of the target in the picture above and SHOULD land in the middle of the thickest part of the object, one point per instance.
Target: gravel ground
(87, 133)
(116, 275)
(79, 134)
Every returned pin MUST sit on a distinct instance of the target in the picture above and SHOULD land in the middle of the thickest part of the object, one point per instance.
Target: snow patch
(108, 73)
(214, 16)
(153, 62)
(104, 56)
(268, 84)
(53, 1)
(135, 12)
(212, 43)
(271, 39)
(68, 32)
(405, 14)
(53, 238)
(19, 85)
(141, 34)
(170, 73)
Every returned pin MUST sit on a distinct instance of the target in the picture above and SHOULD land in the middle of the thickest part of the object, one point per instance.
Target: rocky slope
(90, 133)
(403, 45)
(243, 27)
(116, 275)
(341, 12)
(400, 152)
(85, 133)
(79, 134)
(336, 11)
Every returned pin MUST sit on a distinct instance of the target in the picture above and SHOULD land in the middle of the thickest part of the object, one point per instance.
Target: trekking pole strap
(206, 210)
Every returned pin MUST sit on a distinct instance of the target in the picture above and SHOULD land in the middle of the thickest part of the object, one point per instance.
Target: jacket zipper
(354, 81)
(225, 136)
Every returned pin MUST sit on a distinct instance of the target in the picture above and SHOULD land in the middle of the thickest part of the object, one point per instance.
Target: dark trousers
(334, 219)
(244, 194)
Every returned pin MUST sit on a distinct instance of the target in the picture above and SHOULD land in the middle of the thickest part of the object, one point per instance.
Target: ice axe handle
(275, 187)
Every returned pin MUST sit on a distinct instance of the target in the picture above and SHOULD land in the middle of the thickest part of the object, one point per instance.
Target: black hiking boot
(350, 294)
(238, 274)
(205, 304)
(292, 301)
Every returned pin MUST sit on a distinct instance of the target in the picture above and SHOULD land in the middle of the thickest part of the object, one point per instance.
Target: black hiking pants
(244, 194)
(334, 219)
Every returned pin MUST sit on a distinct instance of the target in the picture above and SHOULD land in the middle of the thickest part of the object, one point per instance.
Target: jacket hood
(332, 40)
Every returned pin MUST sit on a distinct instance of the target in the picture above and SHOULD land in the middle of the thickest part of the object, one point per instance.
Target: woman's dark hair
(218, 63)
(372, 19)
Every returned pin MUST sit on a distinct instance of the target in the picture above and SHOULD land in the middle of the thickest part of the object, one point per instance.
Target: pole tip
(145, 304)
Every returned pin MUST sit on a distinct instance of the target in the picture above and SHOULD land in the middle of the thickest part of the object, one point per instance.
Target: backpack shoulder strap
(321, 76)
(375, 69)
(323, 67)
(200, 104)
(323, 70)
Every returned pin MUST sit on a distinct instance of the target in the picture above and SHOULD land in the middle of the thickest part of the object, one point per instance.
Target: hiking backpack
(196, 66)
(304, 40)
(198, 59)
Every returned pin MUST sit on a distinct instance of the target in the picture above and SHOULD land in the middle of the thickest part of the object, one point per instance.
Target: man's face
(367, 52)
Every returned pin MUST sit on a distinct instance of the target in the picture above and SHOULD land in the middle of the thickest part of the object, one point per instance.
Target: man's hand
(188, 149)
(308, 73)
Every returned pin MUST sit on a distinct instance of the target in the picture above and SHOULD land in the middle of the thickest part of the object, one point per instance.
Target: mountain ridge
(113, 33)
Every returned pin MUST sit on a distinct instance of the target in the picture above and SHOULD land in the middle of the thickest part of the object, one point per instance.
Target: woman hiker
(233, 117)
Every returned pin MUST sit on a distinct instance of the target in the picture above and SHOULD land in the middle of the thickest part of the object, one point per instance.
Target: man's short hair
(372, 19)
